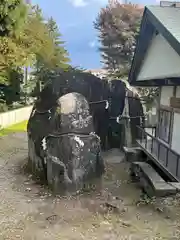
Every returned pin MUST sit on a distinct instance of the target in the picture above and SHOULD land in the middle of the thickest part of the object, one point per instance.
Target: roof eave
(145, 35)
(157, 82)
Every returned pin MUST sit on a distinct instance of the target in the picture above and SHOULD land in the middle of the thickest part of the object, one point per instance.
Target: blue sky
(75, 20)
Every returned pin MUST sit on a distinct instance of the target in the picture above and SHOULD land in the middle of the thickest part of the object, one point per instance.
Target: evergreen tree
(60, 57)
(27, 40)
(57, 58)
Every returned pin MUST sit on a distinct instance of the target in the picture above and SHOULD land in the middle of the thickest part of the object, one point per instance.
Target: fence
(15, 116)
(162, 154)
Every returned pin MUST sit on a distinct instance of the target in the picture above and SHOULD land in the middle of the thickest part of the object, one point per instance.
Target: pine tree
(57, 58)
(60, 58)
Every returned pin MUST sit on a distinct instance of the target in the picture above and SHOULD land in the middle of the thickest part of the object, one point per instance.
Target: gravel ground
(28, 211)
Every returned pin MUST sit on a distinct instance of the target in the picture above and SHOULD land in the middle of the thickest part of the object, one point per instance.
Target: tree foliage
(148, 95)
(32, 41)
(60, 56)
(12, 21)
(57, 57)
(12, 16)
(27, 39)
(118, 26)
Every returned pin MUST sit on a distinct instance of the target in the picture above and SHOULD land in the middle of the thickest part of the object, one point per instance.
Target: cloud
(79, 3)
(83, 3)
(92, 44)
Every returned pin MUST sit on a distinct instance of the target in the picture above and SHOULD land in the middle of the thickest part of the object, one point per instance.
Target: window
(164, 125)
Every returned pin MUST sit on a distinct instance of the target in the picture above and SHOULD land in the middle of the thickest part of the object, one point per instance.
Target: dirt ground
(28, 210)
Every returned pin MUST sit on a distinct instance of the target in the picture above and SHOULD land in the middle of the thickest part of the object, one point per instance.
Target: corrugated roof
(169, 17)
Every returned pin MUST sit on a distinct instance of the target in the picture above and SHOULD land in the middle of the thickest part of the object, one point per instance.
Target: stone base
(151, 182)
(133, 154)
(35, 162)
(176, 185)
(163, 189)
(61, 184)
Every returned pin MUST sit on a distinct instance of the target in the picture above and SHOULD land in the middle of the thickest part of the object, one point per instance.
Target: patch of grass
(19, 127)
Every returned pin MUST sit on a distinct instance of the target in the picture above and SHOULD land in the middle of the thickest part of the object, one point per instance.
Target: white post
(128, 137)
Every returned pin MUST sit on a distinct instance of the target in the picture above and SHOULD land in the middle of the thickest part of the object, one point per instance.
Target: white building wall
(176, 127)
(166, 94)
(176, 133)
(161, 61)
(178, 92)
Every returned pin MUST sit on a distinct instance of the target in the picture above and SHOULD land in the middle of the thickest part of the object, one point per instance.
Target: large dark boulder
(95, 90)
(63, 148)
(90, 86)
(99, 108)
(117, 100)
(100, 113)
(117, 97)
(119, 91)
(136, 113)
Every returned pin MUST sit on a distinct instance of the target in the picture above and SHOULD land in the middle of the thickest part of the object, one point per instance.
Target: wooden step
(151, 182)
